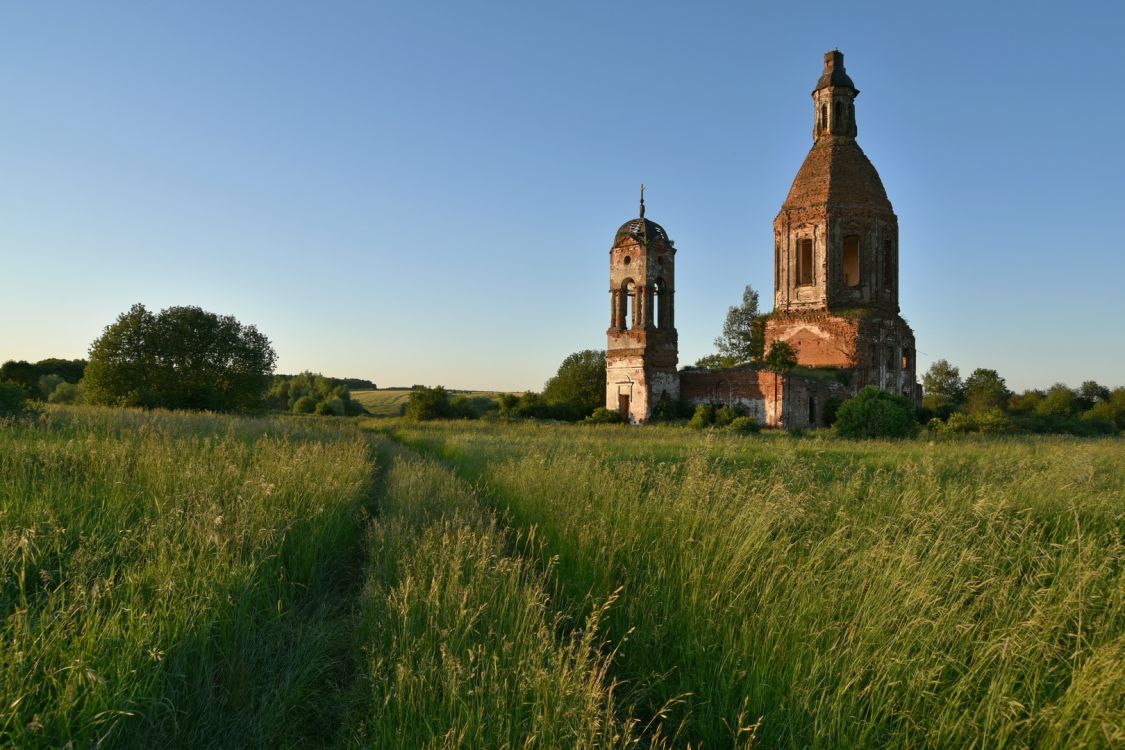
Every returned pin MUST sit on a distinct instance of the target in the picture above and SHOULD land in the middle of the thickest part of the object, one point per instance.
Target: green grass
(176, 580)
(172, 581)
(957, 594)
(462, 647)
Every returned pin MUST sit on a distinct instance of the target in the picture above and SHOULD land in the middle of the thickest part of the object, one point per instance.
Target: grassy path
(964, 594)
(462, 648)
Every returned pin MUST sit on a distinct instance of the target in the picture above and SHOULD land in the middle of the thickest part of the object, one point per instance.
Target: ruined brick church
(835, 291)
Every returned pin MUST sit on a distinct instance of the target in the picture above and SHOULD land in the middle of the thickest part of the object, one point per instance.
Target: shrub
(724, 415)
(704, 417)
(671, 410)
(305, 405)
(13, 399)
(66, 393)
(744, 425)
(428, 403)
(603, 415)
(48, 383)
(876, 414)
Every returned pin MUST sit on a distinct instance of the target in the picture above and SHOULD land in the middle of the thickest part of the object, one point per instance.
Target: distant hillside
(389, 402)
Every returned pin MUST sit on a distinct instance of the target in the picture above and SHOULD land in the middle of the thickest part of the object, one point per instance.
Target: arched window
(823, 117)
(628, 305)
(659, 304)
(804, 262)
(851, 261)
(851, 115)
(777, 265)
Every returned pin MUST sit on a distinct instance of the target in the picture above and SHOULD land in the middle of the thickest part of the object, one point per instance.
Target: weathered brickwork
(641, 353)
(836, 296)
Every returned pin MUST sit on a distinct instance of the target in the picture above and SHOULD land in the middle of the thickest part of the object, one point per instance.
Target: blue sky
(423, 192)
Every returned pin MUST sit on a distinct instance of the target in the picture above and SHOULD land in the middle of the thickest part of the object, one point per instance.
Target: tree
(985, 389)
(1090, 391)
(579, 385)
(1059, 401)
(22, 373)
(743, 337)
(427, 403)
(874, 413)
(781, 359)
(311, 392)
(715, 362)
(943, 381)
(180, 358)
(13, 399)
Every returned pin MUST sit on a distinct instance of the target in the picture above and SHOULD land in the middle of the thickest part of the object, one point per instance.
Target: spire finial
(642, 200)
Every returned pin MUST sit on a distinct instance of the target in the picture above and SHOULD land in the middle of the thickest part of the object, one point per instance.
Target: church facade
(836, 300)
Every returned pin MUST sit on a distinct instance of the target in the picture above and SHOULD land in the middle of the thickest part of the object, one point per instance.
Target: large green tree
(179, 358)
(743, 336)
(943, 388)
(984, 390)
(579, 386)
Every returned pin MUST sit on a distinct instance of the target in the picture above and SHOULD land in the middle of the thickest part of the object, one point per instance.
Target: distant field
(390, 402)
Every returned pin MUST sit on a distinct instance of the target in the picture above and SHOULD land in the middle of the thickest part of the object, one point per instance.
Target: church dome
(641, 230)
(837, 173)
(834, 73)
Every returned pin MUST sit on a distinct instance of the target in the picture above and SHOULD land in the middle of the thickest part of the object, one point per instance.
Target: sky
(426, 192)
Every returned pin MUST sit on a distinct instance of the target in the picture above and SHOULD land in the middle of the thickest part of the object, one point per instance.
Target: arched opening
(804, 262)
(628, 305)
(851, 116)
(851, 261)
(823, 117)
(659, 304)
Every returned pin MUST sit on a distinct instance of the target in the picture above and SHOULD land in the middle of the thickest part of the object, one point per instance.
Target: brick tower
(836, 253)
(641, 354)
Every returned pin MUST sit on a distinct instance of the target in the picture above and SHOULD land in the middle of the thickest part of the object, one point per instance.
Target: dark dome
(641, 230)
(834, 73)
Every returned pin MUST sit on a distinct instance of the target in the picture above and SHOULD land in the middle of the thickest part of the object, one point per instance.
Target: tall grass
(462, 647)
(169, 580)
(958, 594)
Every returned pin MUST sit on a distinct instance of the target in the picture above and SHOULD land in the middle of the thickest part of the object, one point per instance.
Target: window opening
(804, 262)
(851, 261)
(628, 305)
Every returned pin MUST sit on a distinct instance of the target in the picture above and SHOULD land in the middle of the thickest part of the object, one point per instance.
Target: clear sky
(423, 192)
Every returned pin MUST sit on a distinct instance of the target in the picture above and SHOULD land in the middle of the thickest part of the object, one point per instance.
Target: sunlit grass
(170, 580)
(462, 647)
(957, 594)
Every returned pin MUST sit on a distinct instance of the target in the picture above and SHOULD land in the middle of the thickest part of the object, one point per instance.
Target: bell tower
(836, 252)
(641, 353)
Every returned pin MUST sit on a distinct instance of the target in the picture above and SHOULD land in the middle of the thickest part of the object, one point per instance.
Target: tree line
(982, 402)
(179, 358)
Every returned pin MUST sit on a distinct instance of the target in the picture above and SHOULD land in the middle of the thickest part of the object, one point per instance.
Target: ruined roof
(837, 173)
(641, 230)
(834, 73)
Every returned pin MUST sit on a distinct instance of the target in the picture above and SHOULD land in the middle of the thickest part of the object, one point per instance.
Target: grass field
(391, 401)
(170, 580)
